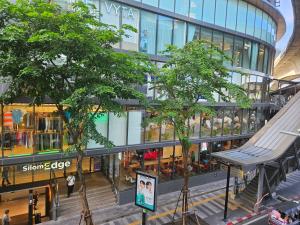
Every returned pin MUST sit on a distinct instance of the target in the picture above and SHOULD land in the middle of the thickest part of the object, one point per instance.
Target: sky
(287, 11)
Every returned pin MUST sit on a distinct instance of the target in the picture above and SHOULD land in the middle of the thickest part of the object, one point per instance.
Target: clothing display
(17, 116)
(48, 141)
(49, 124)
(23, 138)
(8, 120)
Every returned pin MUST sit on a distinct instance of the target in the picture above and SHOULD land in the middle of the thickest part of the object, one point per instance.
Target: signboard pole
(144, 217)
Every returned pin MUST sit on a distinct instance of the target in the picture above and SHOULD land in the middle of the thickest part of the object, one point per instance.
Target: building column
(260, 185)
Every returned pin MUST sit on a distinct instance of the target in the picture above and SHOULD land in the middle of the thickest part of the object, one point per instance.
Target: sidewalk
(207, 201)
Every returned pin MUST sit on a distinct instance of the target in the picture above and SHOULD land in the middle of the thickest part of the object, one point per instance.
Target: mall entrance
(21, 205)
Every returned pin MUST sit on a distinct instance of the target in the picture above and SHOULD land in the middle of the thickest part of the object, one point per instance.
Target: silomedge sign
(47, 166)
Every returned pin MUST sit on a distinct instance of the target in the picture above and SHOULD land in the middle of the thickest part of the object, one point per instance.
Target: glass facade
(237, 15)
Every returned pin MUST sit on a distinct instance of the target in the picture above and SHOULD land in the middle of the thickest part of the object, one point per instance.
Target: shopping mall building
(34, 139)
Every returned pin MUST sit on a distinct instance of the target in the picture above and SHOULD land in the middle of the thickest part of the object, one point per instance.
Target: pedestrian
(5, 174)
(70, 184)
(6, 219)
(35, 199)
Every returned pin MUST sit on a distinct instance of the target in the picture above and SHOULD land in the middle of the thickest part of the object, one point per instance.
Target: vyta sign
(47, 166)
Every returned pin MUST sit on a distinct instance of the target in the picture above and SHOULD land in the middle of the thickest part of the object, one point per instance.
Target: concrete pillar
(260, 185)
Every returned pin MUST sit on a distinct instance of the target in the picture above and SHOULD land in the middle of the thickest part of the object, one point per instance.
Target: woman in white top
(70, 184)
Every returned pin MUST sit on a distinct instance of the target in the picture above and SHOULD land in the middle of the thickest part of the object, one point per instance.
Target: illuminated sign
(46, 166)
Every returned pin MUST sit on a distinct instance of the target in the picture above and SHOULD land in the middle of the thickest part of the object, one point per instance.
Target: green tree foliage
(192, 73)
(68, 56)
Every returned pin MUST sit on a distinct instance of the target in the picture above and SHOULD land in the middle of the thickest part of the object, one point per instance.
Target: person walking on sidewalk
(5, 174)
(70, 184)
(6, 219)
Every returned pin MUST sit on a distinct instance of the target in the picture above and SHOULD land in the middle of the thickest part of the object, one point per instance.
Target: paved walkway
(206, 201)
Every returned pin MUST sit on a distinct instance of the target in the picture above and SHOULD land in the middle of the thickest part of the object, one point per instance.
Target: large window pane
(148, 32)
(260, 62)
(195, 126)
(179, 33)
(196, 9)
(266, 60)
(167, 131)
(258, 21)
(193, 32)
(182, 7)
(228, 47)
(151, 2)
(254, 56)
(247, 54)
(218, 39)
(250, 20)
(231, 14)
(209, 11)
(221, 6)
(238, 51)
(131, 17)
(117, 129)
(241, 17)
(101, 123)
(269, 30)
(164, 36)
(245, 121)
(264, 27)
(167, 5)
(217, 123)
(134, 127)
(206, 34)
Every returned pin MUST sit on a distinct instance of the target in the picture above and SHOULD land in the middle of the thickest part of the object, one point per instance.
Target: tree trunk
(85, 213)
(186, 173)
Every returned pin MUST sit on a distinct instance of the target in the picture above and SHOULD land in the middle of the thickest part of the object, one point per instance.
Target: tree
(192, 73)
(67, 55)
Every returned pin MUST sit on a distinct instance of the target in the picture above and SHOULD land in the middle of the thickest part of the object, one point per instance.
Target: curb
(249, 216)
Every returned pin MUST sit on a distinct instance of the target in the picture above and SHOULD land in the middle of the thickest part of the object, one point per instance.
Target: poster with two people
(145, 191)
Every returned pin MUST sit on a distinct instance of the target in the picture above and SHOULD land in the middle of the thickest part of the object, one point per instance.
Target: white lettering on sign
(116, 8)
(47, 166)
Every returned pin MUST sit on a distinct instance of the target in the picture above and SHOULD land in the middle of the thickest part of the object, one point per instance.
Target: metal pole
(30, 208)
(144, 218)
(227, 193)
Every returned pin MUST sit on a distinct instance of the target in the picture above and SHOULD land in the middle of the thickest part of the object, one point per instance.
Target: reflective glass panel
(179, 33)
(260, 61)
(182, 7)
(266, 60)
(167, 5)
(193, 32)
(245, 121)
(238, 51)
(209, 11)
(247, 54)
(164, 35)
(269, 30)
(151, 2)
(206, 34)
(148, 32)
(228, 47)
(241, 16)
(254, 56)
(196, 9)
(258, 21)
(221, 6)
(264, 27)
(231, 14)
(218, 39)
(250, 20)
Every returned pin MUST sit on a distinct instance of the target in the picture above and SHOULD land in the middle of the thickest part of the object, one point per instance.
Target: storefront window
(196, 9)
(182, 7)
(117, 129)
(245, 121)
(148, 32)
(259, 88)
(252, 120)
(238, 51)
(179, 34)
(241, 16)
(237, 122)
(228, 122)
(205, 125)
(254, 56)
(228, 48)
(195, 126)
(193, 32)
(218, 39)
(261, 53)
(206, 34)
(245, 82)
(209, 11)
(134, 127)
(252, 87)
(164, 36)
(152, 130)
(221, 6)
(167, 131)
(247, 54)
(130, 16)
(217, 123)
(101, 122)
(266, 61)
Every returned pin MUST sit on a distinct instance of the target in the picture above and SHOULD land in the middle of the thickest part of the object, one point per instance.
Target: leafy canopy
(193, 73)
(67, 55)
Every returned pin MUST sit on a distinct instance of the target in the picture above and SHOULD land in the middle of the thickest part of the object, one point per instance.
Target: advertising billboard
(145, 191)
